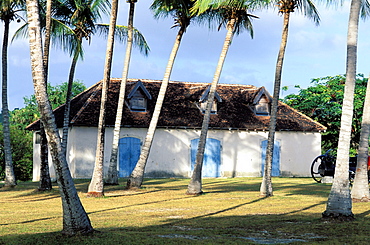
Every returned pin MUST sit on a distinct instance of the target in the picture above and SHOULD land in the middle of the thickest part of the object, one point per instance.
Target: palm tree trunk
(195, 185)
(339, 204)
(10, 180)
(68, 102)
(45, 181)
(136, 178)
(112, 170)
(266, 185)
(96, 187)
(360, 188)
(75, 219)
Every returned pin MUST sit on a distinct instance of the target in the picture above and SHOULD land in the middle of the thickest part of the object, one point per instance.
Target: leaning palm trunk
(45, 181)
(67, 106)
(9, 171)
(75, 219)
(112, 178)
(96, 187)
(360, 188)
(195, 185)
(136, 178)
(266, 185)
(339, 202)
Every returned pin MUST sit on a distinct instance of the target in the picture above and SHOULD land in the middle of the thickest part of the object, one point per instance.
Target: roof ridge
(201, 83)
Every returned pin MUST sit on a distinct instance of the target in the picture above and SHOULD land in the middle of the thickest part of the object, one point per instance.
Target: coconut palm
(75, 219)
(45, 180)
(234, 15)
(286, 7)
(112, 178)
(79, 19)
(181, 11)
(8, 12)
(360, 188)
(96, 186)
(339, 203)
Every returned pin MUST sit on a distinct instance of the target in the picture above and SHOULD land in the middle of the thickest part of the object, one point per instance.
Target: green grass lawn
(230, 212)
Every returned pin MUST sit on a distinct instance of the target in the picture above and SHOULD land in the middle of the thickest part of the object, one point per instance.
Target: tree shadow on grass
(213, 229)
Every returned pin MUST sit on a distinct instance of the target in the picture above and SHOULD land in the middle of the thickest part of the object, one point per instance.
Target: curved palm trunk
(10, 180)
(75, 219)
(360, 188)
(136, 178)
(68, 103)
(339, 202)
(112, 178)
(96, 187)
(266, 185)
(45, 181)
(195, 185)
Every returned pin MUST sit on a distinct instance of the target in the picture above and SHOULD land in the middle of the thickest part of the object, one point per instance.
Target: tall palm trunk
(266, 185)
(339, 202)
(45, 181)
(360, 188)
(136, 178)
(112, 170)
(67, 107)
(96, 187)
(9, 171)
(75, 219)
(195, 185)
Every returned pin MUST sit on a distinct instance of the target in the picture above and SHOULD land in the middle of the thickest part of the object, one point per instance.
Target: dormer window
(138, 98)
(262, 108)
(204, 99)
(203, 107)
(138, 102)
(262, 103)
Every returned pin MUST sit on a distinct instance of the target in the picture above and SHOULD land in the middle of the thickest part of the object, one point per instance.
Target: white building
(237, 136)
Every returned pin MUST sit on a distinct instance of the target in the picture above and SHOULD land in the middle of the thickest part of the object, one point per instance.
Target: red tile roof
(180, 108)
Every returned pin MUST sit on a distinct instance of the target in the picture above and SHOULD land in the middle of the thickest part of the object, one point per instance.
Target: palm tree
(96, 186)
(45, 181)
(75, 219)
(285, 7)
(360, 188)
(234, 15)
(181, 10)
(112, 178)
(8, 12)
(83, 16)
(339, 204)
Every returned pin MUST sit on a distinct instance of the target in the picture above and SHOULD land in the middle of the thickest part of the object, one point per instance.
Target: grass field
(230, 212)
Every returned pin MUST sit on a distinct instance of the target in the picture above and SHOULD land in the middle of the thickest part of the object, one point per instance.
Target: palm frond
(121, 35)
(309, 9)
(22, 32)
(165, 8)
(365, 9)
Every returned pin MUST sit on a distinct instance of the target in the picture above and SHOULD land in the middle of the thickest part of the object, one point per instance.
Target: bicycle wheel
(318, 169)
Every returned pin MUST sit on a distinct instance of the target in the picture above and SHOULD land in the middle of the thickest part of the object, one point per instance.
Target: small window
(138, 104)
(203, 106)
(262, 108)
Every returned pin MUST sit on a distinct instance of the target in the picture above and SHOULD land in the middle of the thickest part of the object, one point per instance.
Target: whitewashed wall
(170, 153)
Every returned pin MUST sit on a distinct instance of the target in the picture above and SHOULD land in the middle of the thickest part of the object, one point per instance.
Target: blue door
(212, 157)
(129, 153)
(275, 158)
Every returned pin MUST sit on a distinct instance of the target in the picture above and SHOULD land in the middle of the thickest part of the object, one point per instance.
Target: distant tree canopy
(323, 102)
(21, 139)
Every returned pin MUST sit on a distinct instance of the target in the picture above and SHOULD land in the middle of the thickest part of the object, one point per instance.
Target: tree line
(75, 20)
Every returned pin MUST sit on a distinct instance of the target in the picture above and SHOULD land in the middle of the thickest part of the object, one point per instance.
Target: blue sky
(312, 52)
